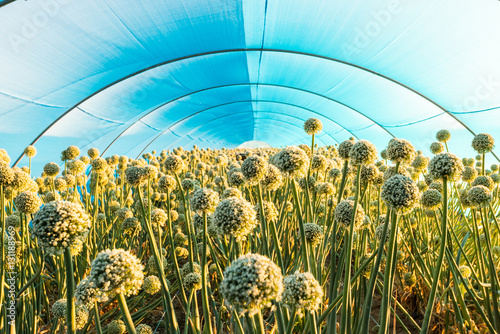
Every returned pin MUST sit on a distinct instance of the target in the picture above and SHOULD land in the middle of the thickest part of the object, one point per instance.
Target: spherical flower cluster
(192, 281)
(150, 172)
(313, 232)
(71, 153)
(166, 183)
(134, 175)
(345, 148)
(6, 175)
(291, 161)
(93, 152)
(254, 169)
(469, 174)
(313, 126)
(483, 180)
(369, 173)
(251, 283)
(58, 224)
(231, 192)
(158, 216)
(116, 327)
(344, 213)
(30, 151)
(174, 164)
(436, 185)
(270, 211)
(420, 163)
(124, 213)
(362, 153)
(153, 269)
(305, 183)
(220, 181)
(221, 160)
(151, 285)
(334, 173)
(318, 163)
(443, 136)
(400, 150)
(445, 165)
(431, 199)
(131, 226)
(235, 216)
(13, 220)
(204, 200)
(436, 148)
(76, 167)
(144, 329)
(483, 143)
(51, 169)
(59, 310)
(495, 178)
(60, 184)
(188, 184)
(400, 193)
(86, 293)
(28, 202)
(324, 188)
(117, 272)
(464, 200)
(236, 179)
(479, 196)
(302, 291)
(99, 164)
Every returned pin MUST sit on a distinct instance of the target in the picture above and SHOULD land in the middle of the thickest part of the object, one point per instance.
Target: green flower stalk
(447, 167)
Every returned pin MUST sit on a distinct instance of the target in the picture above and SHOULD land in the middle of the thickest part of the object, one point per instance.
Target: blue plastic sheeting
(129, 77)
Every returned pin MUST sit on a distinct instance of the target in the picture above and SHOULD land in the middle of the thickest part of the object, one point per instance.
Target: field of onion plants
(339, 239)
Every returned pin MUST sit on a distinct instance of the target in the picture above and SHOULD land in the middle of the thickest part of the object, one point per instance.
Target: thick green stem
(70, 295)
(365, 320)
(97, 319)
(127, 319)
(154, 249)
(437, 269)
(385, 308)
(345, 324)
(301, 227)
(204, 286)
(263, 220)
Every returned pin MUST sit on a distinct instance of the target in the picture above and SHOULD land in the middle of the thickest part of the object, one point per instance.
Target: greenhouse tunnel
(130, 77)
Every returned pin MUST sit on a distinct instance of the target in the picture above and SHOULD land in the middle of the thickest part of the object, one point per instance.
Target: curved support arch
(217, 106)
(234, 102)
(362, 68)
(257, 84)
(283, 133)
(229, 115)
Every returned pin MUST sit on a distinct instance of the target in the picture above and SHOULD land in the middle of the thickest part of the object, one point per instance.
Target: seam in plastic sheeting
(473, 111)
(412, 123)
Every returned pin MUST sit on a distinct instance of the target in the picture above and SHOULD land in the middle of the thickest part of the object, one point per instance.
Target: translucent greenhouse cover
(130, 77)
